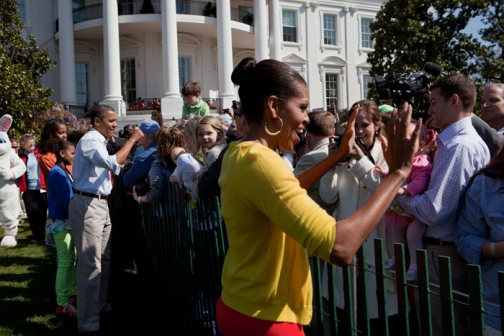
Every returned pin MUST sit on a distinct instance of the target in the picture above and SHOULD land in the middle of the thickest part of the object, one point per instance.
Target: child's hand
(383, 173)
(195, 176)
(403, 192)
(430, 147)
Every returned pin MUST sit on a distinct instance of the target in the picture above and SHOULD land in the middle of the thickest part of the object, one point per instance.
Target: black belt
(83, 193)
(436, 241)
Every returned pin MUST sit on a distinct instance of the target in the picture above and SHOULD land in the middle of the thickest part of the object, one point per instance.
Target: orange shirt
(47, 161)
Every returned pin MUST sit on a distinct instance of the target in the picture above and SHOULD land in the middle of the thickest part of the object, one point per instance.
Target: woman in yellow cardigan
(271, 222)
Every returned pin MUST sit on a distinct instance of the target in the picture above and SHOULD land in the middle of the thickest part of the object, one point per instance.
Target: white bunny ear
(5, 122)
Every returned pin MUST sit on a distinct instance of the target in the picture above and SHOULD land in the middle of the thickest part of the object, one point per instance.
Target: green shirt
(200, 109)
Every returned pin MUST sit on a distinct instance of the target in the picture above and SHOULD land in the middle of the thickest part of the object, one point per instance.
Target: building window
(81, 83)
(79, 11)
(125, 7)
(289, 26)
(246, 15)
(184, 71)
(128, 80)
(331, 83)
(21, 9)
(182, 6)
(366, 34)
(366, 80)
(330, 29)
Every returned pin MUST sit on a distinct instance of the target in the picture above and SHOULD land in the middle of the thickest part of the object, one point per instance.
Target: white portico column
(112, 58)
(66, 53)
(275, 30)
(261, 30)
(225, 52)
(171, 102)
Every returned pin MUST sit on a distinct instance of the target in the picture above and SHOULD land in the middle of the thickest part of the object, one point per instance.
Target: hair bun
(243, 71)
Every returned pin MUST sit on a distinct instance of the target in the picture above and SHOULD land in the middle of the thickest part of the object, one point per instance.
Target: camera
(338, 138)
(234, 106)
(408, 84)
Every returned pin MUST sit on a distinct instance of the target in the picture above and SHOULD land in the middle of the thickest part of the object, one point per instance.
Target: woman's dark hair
(52, 146)
(50, 129)
(167, 139)
(495, 169)
(75, 135)
(258, 81)
(62, 145)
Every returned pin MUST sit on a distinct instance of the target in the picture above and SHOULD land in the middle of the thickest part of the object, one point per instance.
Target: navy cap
(149, 126)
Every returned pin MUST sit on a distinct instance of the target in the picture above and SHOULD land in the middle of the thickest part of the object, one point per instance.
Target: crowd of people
(287, 186)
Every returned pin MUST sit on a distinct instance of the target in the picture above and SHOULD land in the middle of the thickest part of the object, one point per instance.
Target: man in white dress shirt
(89, 214)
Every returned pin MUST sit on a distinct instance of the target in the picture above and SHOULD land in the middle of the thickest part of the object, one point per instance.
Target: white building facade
(114, 51)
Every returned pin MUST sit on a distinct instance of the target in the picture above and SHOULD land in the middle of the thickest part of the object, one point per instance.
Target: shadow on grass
(28, 300)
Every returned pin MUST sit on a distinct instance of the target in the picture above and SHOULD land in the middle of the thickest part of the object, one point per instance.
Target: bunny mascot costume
(11, 168)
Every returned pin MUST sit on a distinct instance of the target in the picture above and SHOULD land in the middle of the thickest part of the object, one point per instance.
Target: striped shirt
(461, 153)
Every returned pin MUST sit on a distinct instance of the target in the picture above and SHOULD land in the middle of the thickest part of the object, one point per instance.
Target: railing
(187, 244)
(88, 13)
(215, 105)
(189, 7)
(146, 104)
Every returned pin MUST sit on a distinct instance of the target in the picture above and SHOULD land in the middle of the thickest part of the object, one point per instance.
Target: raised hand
(401, 146)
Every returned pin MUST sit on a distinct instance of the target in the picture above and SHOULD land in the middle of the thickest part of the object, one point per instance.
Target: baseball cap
(149, 126)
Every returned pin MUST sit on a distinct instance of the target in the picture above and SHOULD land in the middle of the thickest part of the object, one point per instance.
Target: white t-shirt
(187, 165)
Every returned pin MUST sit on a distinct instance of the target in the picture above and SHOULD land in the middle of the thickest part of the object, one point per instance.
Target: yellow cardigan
(271, 223)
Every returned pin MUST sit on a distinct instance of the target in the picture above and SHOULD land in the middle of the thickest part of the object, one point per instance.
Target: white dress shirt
(92, 165)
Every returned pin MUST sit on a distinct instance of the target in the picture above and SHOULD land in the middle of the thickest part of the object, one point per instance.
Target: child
(193, 104)
(407, 229)
(58, 228)
(210, 140)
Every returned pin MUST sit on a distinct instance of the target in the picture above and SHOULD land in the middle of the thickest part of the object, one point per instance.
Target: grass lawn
(28, 300)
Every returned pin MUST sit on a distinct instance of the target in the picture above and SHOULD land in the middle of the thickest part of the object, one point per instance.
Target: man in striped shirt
(461, 152)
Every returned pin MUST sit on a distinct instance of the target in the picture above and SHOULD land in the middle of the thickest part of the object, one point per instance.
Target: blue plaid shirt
(461, 153)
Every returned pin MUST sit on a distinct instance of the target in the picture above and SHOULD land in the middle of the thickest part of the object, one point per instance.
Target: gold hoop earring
(275, 133)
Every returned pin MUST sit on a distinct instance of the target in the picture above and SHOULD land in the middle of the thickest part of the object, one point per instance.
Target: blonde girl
(209, 140)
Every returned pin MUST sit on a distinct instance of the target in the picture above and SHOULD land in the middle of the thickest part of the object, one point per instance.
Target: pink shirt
(419, 176)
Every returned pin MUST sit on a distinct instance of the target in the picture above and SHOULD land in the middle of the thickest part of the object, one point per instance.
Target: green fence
(187, 244)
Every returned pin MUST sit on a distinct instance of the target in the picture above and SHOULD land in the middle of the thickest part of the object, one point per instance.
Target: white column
(112, 58)
(275, 30)
(225, 52)
(171, 102)
(68, 94)
(261, 30)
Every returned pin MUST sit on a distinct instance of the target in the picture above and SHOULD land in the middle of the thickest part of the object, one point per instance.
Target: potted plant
(210, 9)
(147, 7)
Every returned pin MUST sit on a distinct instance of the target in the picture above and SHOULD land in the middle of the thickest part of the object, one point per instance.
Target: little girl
(407, 229)
(58, 228)
(210, 140)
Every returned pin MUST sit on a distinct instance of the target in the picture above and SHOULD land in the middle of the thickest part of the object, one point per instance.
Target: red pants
(233, 323)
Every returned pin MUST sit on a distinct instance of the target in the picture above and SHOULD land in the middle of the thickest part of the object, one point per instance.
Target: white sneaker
(412, 275)
(390, 264)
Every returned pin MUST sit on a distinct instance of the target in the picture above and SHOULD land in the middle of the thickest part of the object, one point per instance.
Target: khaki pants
(90, 222)
(459, 284)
